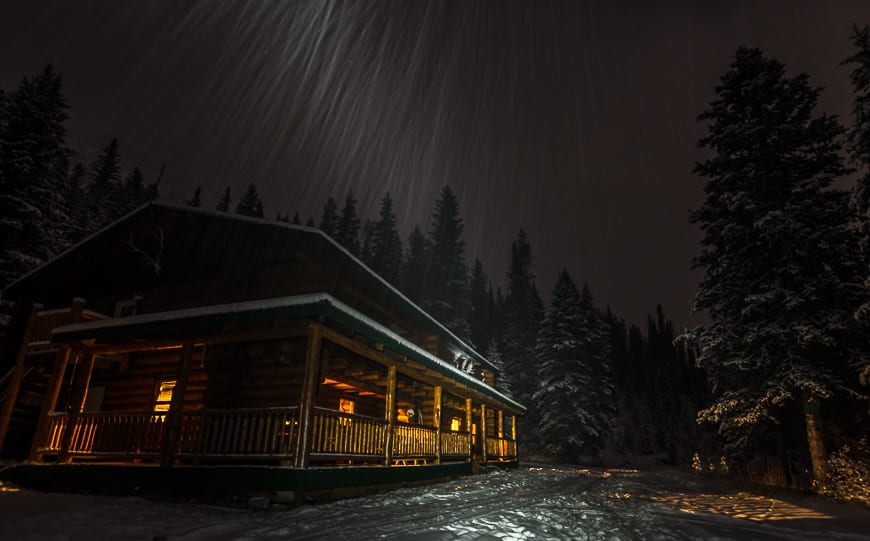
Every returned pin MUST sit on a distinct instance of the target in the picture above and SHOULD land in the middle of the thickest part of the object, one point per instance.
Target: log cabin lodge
(179, 346)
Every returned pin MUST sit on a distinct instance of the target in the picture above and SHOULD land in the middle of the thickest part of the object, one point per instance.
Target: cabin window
(403, 416)
(345, 406)
(164, 395)
(455, 424)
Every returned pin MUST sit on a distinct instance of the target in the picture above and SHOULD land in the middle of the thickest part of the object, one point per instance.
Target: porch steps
(25, 415)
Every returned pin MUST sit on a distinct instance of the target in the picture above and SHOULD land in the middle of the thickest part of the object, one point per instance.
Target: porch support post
(49, 400)
(309, 389)
(502, 445)
(514, 437)
(483, 432)
(17, 375)
(438, 424)
(79, 397)
(468, 425)
(171, 437)
(391, 415)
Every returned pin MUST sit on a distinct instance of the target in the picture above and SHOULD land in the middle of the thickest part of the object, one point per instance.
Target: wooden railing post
(309, 389)
(79, 397)
(483, 432)
(514, 437)
(468, 423)
(502, 446)
(391, 415)
(169, 444)
(438, 424)
(49, 400)
(17, 375)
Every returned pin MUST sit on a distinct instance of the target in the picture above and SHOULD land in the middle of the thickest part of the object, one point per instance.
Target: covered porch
(294, 381)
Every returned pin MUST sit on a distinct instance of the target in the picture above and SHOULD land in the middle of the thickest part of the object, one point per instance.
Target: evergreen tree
(480, 318)
(523, 312)
(493, 355)
(196, 200)
(446, 275)
(250, 204)
(34, 160)
(778, 255)
(573, 353)
(859, 146)
(134, 192)
(385, 245)
(415, 266)
(296, 219)
(347, 229)
(104, 197)
(224, 204)
(329, 220)
(74, 196)
(310, 222)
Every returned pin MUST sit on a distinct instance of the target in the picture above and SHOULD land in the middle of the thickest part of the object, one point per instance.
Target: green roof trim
(176, 323)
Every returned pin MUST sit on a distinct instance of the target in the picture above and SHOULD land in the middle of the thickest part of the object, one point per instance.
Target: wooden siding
(131, 383)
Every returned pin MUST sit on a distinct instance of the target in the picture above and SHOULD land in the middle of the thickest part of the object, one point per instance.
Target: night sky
(574, 120)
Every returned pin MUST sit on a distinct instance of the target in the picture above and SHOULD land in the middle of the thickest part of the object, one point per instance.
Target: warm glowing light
(455, 424)
(345, 406)
(164, 395)
(740, 505)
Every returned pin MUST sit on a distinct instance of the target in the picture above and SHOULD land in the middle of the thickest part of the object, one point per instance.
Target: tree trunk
(815, 440)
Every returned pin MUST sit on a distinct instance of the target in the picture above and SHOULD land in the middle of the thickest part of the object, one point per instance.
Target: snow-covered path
(529, 503)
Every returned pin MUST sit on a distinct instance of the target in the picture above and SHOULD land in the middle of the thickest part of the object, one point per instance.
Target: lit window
(455, 424)
(403, 416)
(345, 406)
(164, 395)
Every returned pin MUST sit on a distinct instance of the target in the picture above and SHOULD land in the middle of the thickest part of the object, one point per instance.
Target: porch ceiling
(191, 322)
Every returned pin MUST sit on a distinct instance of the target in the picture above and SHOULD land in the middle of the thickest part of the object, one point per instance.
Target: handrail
(226, 433)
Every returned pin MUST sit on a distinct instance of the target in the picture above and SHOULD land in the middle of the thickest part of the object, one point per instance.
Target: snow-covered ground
(542, 502)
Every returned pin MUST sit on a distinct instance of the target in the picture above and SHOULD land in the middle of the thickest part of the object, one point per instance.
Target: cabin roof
(37, 279)
(178, 322)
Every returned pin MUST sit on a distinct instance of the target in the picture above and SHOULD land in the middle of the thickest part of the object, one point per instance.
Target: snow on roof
(346, 252)
(273, 223)
(285, 302)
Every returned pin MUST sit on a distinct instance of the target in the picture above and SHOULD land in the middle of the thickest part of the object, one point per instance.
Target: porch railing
(337, 434)
(248, 433)
(501, 448)
(455, 444)
(413, 441)
(256, 433)
(48, 320)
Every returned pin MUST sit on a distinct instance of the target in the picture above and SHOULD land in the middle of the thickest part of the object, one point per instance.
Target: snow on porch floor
(533, 502)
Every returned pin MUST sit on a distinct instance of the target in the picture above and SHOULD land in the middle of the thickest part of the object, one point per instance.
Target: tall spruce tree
(480, 318)
(196, 200)
(134, 191)
(224, 204)
(75, 195)
(34, 160)
(859, 147)
(523, 312)
(493, 355)
(445, 295)
(329, 219)
(385, 244)
(780, 274)
(347, 229)
(296, 220)
(104, 193)
(413, 280)
(250, 204)
(572, 349)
